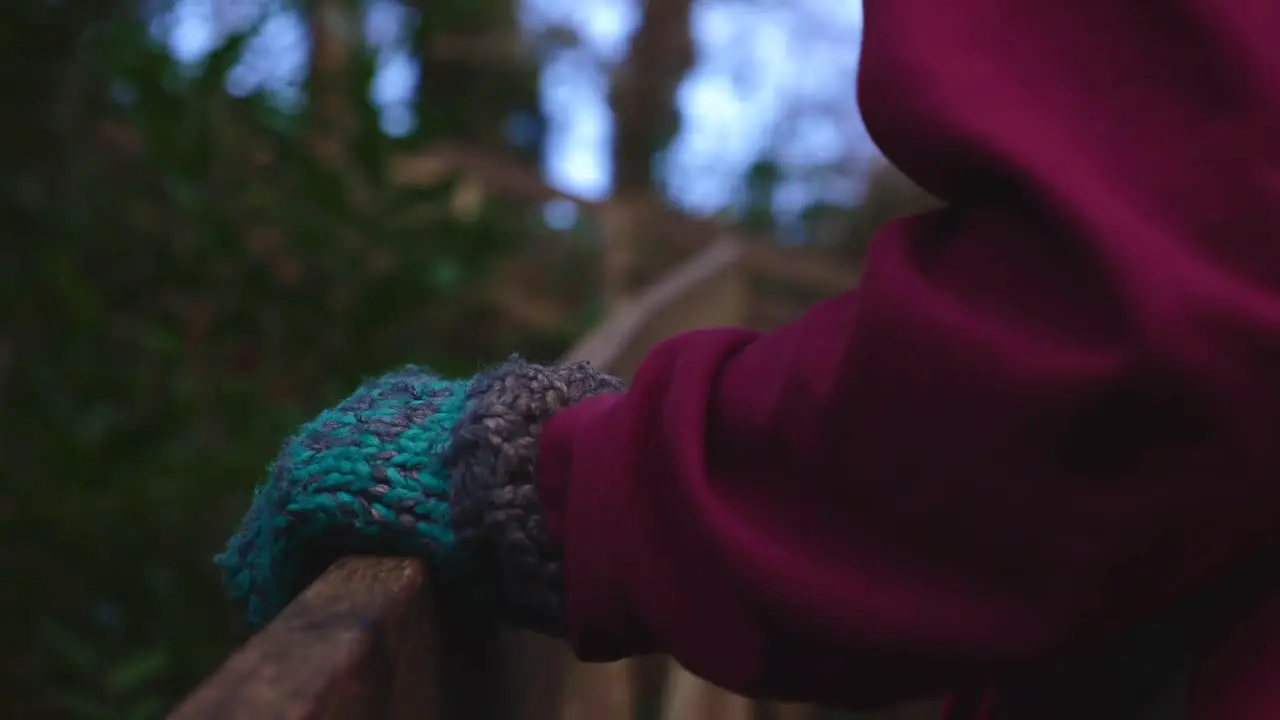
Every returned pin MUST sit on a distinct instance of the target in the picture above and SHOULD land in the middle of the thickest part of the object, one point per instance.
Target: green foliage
(186, 277)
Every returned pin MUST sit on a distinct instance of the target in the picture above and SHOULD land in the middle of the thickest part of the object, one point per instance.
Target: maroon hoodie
(1034, 460)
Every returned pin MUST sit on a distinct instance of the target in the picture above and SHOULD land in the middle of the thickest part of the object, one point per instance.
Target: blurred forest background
(223, 213)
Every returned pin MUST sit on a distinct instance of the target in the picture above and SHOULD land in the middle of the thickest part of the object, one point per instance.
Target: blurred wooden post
(692, 698)
(333, 26)
(600, 690)
(642, 98)
(619, 235)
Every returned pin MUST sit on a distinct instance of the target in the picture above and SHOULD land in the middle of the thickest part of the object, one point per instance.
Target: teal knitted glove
(412, 464)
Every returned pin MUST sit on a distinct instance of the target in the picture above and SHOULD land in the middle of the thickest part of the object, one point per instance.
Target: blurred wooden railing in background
(371, 639)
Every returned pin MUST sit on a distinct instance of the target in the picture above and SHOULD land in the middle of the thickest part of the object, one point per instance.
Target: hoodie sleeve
(1045, 414)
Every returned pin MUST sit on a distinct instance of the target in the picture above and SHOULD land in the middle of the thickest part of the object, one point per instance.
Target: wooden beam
(356, 644)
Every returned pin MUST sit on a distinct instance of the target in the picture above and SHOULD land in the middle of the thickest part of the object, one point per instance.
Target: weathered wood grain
(356, 644)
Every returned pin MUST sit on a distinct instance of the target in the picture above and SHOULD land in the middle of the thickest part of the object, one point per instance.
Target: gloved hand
(416, 465)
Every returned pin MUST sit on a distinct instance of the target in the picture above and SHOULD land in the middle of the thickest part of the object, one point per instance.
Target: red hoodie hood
(1152, 125)
(1143, 99)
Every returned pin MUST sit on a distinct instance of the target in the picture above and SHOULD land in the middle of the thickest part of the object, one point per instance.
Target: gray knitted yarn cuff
(492, 462)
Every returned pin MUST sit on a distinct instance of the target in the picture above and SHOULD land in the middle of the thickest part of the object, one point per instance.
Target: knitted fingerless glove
(412, 464)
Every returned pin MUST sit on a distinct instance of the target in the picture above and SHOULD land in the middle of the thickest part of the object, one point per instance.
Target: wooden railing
(373, 639)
